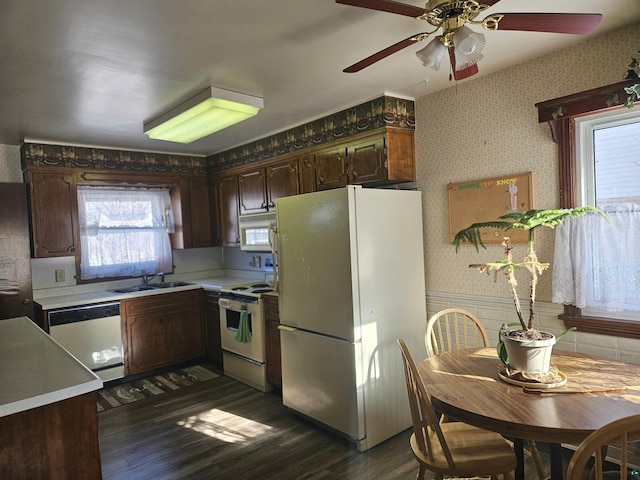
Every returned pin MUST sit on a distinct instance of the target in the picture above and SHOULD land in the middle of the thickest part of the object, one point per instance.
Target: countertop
(87, 298)
(35, 370)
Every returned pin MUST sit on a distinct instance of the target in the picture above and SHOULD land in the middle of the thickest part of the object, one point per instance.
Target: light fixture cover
(207, 112)
(467, 47)
(432, 54)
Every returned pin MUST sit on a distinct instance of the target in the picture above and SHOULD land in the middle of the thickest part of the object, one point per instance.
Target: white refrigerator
(351, 267)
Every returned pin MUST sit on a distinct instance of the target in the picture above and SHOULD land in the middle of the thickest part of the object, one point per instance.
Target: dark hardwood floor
(223, 429)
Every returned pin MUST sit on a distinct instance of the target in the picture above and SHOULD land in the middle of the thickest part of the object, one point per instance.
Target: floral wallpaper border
(384, 111)
(43, 155)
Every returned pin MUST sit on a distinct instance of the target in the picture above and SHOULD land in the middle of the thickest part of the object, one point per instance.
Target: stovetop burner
(248, 290)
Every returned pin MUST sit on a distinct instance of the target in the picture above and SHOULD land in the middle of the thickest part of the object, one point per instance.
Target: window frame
(560, 114)
(129, 179)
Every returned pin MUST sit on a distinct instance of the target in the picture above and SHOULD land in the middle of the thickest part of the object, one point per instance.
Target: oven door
(229, 322)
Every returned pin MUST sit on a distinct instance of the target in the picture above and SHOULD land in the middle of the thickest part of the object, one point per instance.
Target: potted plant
(518, 346)
(634, 90)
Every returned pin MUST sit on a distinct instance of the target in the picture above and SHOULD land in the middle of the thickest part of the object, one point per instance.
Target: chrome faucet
(147, 278)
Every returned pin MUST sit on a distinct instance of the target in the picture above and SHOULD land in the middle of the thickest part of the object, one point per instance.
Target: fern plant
(528, 221)
(633, 72)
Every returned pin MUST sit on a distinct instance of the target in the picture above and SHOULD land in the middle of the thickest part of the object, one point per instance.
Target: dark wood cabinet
(258, 189)
(331, 168)
(281, 181)
(381, 158)
(228, 210)
(161, 330)
(212, 337)
(192, 214)
(272, 320)
(252, 192)
(54, 213)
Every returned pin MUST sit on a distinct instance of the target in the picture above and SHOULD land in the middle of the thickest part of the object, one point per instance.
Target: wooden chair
(457, 329)
(453, 449)
(454, 329)
(620, 434)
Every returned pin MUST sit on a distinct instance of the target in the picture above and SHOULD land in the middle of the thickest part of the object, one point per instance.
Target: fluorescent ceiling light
(209, 111)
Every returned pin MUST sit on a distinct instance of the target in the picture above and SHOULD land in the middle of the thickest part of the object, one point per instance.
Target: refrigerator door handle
(287, 328)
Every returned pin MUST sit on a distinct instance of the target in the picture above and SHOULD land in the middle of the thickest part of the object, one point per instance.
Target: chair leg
(537, 461)
(421, 471)
(507, 476)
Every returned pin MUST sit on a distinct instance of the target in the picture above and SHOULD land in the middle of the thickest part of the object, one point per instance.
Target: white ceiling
(78, 72)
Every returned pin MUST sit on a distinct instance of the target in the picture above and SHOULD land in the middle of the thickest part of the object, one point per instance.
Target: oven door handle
(287, 328)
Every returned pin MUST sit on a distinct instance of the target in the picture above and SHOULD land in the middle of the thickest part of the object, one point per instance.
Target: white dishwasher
(92, 334)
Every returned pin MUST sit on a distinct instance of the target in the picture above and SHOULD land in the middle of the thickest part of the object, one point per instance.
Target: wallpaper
(491, 129)
(10, 164)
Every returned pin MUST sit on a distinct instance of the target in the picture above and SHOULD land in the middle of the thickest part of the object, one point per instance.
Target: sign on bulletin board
(486, 200)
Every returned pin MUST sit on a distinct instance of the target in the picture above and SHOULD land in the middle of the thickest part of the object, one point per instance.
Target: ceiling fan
(461, 42)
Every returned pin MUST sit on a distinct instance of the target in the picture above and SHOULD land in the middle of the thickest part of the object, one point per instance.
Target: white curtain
(124, 232)
(597, 263)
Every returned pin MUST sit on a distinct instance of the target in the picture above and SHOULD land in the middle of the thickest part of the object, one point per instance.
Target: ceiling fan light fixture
(207, 112)
(467, 47)
(431, 55)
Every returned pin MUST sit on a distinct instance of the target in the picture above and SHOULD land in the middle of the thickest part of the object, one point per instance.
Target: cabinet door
(274, 362)
(367, 161)
(200, 218)
(228, 211)
(54, 214)
(253, 194)
(401, 162)
(282, 181)
(146, 342)
(184, 334)
(331, 168)
(213, 341)
(307, 174)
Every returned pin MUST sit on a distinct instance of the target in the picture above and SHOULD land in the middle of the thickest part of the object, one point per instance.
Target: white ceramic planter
(530, 356)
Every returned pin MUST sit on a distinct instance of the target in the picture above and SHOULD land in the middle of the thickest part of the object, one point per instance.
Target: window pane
(124, 231)
(617, 163)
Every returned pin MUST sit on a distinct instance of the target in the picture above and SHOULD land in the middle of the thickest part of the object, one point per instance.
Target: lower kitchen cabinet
(272, 320)
(162, 330)
(212, 337)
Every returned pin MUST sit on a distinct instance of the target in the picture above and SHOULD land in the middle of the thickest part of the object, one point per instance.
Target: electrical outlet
(60, 275)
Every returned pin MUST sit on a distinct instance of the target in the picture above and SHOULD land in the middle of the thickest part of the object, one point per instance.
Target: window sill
(572, 317)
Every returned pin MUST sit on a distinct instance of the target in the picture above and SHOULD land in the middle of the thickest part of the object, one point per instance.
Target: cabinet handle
(320, 181)
(26, 301)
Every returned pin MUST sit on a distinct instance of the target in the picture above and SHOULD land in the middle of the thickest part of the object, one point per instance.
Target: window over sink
(124, 231)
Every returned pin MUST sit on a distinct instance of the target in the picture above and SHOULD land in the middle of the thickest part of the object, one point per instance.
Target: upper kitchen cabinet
(54, 212)
(228, 208)
(259, 188)
(281, 181)
(382, 158)
(192, 213)
(252, 191)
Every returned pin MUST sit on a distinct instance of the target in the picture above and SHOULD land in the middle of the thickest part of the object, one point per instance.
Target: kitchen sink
(177, 283)
(135, 288)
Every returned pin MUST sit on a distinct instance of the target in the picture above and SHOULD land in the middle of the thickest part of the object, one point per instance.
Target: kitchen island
(48, 414)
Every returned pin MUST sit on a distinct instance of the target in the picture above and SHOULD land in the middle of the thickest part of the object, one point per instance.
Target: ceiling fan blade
(356, 67)
(465, 72)
(579, 23)
(386, 6)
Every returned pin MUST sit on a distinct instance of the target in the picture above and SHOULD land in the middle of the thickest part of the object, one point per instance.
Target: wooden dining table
(466, 385)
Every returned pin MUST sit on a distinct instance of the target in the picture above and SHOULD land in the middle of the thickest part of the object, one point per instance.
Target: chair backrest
(622, 434)
(454, 329)
(423, 414)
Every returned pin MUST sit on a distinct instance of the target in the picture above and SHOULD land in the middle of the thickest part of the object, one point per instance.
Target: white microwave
(256, 231)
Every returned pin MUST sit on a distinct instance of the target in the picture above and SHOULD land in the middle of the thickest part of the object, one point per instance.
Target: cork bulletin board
(486, 200)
